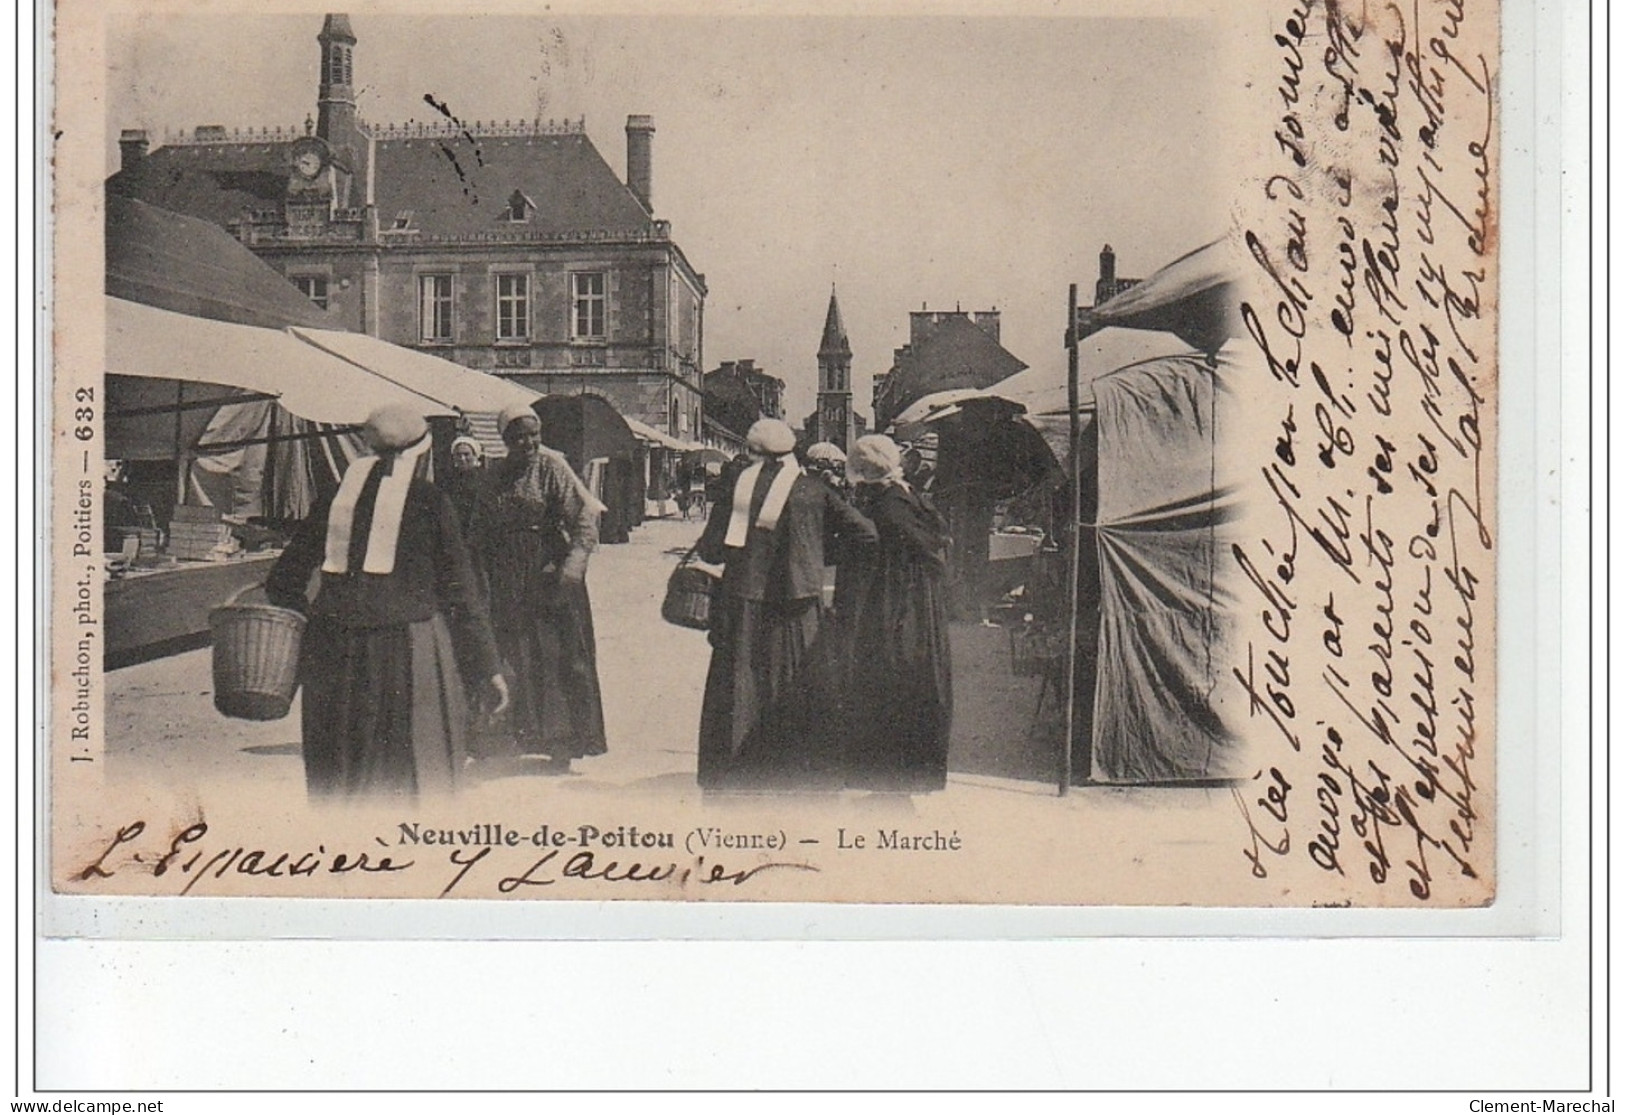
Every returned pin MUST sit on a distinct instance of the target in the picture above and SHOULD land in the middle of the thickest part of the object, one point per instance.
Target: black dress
(465, 488)
(895, 701)
(759, 722)
(383, 656)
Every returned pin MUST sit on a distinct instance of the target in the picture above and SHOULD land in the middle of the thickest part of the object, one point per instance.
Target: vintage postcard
(1004, 455)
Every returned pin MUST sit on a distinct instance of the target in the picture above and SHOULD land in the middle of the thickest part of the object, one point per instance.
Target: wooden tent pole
(183, 465)
(1074, 432)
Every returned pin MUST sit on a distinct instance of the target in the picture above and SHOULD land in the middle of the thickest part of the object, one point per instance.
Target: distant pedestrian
(395, 626)
(465, 484)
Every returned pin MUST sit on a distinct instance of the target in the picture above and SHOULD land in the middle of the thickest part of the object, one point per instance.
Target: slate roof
(957, 353)
(834, 342)
(214, 182)
(337, 26)
(457, 185)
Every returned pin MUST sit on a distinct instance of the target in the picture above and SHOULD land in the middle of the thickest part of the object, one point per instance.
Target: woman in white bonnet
(898, 696)
(533, 532)
(466, 482)
(768, 531)
(396, 624)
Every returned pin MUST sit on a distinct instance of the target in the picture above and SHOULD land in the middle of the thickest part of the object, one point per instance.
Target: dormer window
(403, 221)
(520, 208)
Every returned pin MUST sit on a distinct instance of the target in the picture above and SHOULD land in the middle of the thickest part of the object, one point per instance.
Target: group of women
(477, 585)
(859, 696)
(428, 592)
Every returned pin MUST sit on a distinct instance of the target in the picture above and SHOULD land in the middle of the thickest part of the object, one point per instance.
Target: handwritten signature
(192, 861)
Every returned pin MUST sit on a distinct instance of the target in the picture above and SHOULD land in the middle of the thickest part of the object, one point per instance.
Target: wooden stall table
(152, 613)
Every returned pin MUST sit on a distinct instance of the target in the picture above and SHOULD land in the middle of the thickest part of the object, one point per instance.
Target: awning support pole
(183, 464)
(1074, 440)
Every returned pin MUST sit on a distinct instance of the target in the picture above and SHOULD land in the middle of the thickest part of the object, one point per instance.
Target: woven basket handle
(234, 597)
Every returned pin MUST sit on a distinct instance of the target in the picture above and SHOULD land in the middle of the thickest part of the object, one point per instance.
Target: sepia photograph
(905, 458)
(764, 546)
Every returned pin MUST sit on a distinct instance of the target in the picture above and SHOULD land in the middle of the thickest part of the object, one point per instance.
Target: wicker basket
(688, 595)
(256, 658)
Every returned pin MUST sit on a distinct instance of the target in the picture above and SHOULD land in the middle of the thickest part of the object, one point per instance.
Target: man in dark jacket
(769, 532)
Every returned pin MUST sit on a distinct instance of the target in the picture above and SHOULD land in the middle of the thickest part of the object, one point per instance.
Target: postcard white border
(1537, 993)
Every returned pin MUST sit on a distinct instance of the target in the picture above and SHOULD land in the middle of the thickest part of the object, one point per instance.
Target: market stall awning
(1041, 389)
(645, 432)
(305, 379)
(426, 376)
(938, 404)
(1193, 298)
(195, 267)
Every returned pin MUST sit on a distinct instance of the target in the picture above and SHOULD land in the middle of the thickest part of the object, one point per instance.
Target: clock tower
(335, 97)
(327, 168)
(835, 420)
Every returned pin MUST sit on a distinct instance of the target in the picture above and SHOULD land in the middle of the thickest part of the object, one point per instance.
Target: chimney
(640, 133)
(132, 147)
(921, 324)
(1108, 266)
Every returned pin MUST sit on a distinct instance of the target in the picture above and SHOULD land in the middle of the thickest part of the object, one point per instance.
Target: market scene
(423, 470)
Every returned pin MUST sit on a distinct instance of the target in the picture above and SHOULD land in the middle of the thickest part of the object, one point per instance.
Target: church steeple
(335, 98)
(834, 342)
(835, 419)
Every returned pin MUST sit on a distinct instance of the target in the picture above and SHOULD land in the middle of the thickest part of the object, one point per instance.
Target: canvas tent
(193, 267)
(1153, 598)
(1163, 499)
(1164, 599)
(217, 362)
(600, 446)
(258, 419)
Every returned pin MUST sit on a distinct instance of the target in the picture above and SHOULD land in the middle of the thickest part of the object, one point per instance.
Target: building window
(434, 307)
(519, 207)
(313, 287)
(587, 292)
(513, 307)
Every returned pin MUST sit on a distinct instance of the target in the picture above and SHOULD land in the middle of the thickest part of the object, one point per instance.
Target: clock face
(308, 163)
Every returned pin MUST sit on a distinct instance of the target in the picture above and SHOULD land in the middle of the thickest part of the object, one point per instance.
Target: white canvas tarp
(307, 381)
(1164, 600)
(436, 381)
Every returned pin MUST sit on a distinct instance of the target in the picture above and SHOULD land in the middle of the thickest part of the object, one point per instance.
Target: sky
(911, 161)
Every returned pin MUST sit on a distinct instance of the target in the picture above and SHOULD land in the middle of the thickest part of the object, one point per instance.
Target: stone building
(509, 247)
(736, 395)
(946, 349)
